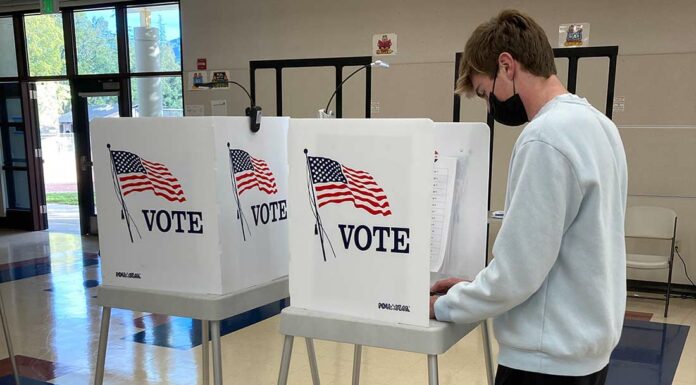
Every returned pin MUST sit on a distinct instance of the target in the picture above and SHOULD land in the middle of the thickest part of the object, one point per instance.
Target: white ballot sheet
(465, 250)
(444, 174)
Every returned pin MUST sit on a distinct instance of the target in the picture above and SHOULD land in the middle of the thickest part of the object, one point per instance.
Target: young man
(557, 284)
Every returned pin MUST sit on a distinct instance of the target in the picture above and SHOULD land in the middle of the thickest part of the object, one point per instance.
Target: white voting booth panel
(194, 205)
(359, 231)
(350, 259)
(468, 144)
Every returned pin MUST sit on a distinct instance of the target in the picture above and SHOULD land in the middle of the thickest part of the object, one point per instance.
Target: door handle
(85, 163)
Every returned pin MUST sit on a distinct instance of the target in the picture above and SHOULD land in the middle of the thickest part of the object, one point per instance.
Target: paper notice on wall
(194, 110)
(384, 44)
(443, 197)
(574, 35)
(218, 107)
(220, 78)
(195, 79)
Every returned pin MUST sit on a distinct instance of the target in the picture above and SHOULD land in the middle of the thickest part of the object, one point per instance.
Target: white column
(147, 59)
(8, 66)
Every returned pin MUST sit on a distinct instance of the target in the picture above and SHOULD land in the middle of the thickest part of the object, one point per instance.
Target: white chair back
(650, 222)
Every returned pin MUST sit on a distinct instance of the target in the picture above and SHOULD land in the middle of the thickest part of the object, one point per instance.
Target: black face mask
(510, 112)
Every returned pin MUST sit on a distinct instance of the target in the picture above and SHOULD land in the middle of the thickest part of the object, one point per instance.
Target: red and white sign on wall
(202, 63)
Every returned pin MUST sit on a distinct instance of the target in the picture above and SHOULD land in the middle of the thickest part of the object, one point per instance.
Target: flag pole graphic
(318, 227)
(124, 210)
(240, 213)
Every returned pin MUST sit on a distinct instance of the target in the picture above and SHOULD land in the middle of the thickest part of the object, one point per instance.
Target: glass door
(95, 98)
(14, 171)
(56, 128)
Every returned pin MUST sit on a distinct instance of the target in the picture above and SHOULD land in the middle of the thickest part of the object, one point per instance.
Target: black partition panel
(338, 63)
(575, 54)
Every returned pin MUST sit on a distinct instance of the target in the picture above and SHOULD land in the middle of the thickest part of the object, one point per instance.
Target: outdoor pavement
(63, 218)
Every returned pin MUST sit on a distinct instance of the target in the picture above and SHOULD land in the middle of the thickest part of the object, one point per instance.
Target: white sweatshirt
(557, 283)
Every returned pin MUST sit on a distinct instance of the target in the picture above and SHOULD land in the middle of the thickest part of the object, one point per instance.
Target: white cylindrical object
(8, 61)
(147, 59)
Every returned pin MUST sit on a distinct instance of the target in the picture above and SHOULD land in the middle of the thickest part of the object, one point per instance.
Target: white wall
(657, 58)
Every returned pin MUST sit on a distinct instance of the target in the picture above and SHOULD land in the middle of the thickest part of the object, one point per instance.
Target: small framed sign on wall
(384, 44)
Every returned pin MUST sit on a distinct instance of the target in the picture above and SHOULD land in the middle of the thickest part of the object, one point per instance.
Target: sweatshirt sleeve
(544, 198)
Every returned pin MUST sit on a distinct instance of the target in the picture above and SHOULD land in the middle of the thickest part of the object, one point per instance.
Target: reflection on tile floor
(34, 368)
(9, 380)
(49, 285)
(648, 353)
(185, 333)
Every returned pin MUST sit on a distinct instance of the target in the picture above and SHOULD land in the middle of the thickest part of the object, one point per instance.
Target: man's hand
(441, 287)
(433, 298)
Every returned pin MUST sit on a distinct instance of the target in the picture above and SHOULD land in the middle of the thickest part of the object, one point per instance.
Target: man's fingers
(433, 298)
(437, 287)
(444, 285)
(441, 286)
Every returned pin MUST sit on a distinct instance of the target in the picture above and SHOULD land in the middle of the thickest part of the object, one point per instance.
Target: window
(92, 61)
(157, 96)
(13, 107)
(95, 40)
(154, 38)
(45, 44)
(8, 57)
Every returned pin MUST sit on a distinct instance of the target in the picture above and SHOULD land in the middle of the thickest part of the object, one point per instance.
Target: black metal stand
(337, 63)
(573, 55)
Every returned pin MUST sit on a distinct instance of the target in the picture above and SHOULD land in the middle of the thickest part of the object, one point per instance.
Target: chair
(657, 223)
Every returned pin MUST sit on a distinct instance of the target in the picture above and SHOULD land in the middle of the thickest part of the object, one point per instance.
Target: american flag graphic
(336, 183)
(250, 172)
(136, 174)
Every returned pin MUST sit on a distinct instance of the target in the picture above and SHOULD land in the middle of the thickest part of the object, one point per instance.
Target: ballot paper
(444, 174)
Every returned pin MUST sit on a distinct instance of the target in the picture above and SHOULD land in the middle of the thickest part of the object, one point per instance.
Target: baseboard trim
(661, 287)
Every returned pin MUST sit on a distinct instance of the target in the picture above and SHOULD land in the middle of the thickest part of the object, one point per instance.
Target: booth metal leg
(285, 360)
(8, 340)
(217, 352)
(101, 350)
(487, 353)
(432, 370)
(357, 358)
(314, 369)
(205, 351)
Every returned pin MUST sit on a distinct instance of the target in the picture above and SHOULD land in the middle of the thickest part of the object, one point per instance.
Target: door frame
(35, 218)
(82, 88)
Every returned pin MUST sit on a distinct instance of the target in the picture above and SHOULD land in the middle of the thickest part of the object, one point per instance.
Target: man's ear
(507, 64)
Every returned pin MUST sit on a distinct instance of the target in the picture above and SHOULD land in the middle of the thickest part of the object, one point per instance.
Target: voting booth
(377, 205)
(381, 207)
(193, 220)
(194, 205)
